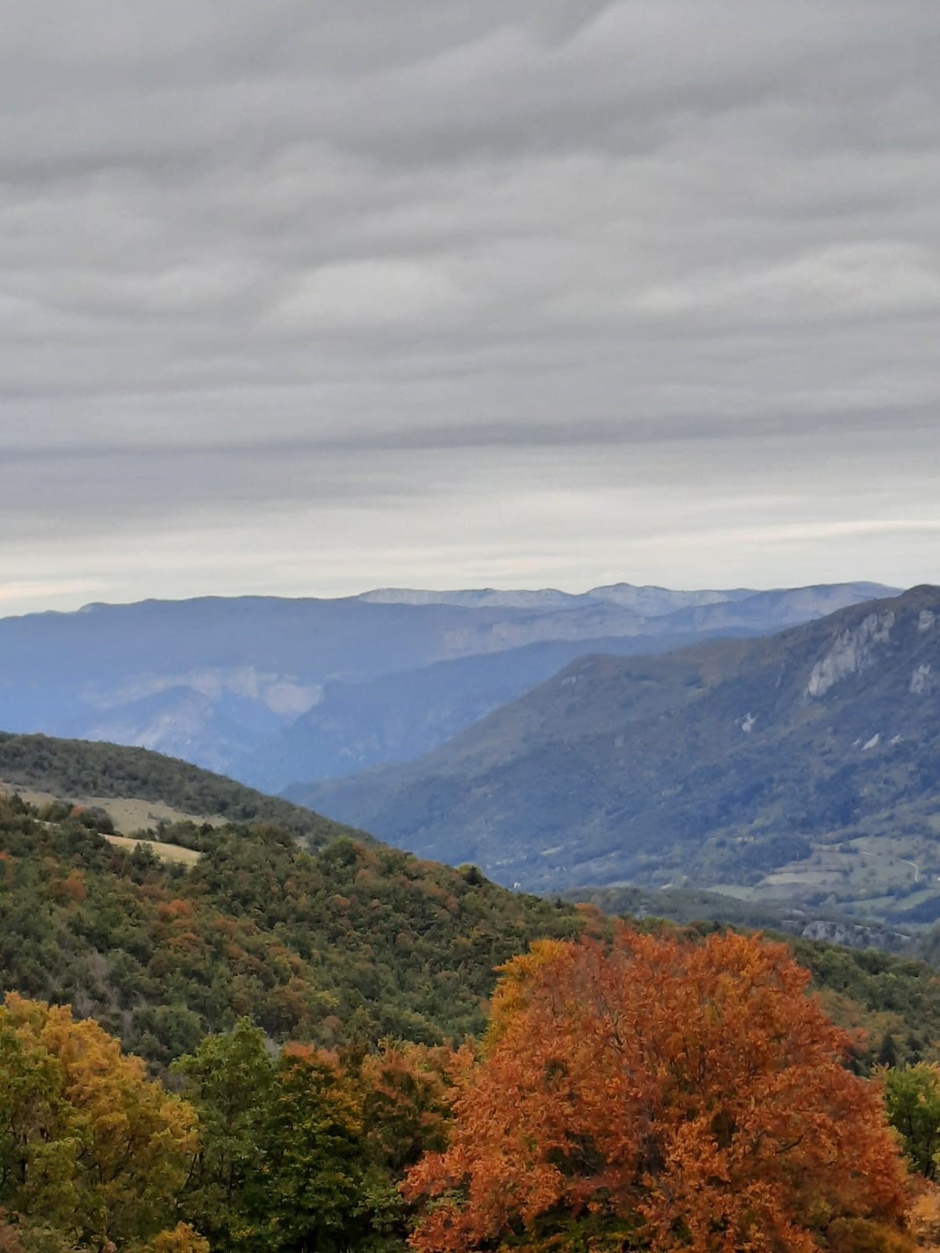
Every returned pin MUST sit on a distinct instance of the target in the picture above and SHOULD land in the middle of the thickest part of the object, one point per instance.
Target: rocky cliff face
(853, 652)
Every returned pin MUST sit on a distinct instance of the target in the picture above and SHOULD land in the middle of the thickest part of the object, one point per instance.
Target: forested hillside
(352, 944)
(80, 770)
(301, 1002)
(611, 1070)
(355, 943)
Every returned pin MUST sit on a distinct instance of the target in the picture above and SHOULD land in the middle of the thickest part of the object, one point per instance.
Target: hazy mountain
(805, 765)
(216, 680)
(648, 601)
(398, 717)
(185, 722)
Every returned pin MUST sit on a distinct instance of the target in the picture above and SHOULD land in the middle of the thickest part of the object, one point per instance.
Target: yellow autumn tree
(89, 1145)
(663, 1094)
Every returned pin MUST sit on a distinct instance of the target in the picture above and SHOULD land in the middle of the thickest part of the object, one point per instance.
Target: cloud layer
(301, 297)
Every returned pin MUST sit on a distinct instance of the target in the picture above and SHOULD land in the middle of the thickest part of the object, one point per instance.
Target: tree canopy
(912, 1097)
(88, 1143)
(663, 1092)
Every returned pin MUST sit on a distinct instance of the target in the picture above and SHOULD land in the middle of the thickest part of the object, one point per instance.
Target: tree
(319, 1191)
(405, 1101)
(659, 1092)
(284, 1164)
(88, 1144)
(230, 1081)
(912, 1097)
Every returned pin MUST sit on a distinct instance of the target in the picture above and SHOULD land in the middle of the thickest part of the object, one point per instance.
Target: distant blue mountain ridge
(274, 691)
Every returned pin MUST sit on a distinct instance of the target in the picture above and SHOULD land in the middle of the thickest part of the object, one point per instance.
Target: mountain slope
(742, 764)
(349, 946)
(213, 680)
(398, 717)
(354, 944)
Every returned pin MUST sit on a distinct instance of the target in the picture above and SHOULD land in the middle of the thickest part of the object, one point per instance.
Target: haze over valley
(799, 767)
(277, 691)
(773, 746)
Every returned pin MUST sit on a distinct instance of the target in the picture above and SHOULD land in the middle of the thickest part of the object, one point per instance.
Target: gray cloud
(304, 297)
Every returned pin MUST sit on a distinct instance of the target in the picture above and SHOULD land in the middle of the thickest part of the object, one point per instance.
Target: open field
(892, 863)
(129, 814)
(166, 852)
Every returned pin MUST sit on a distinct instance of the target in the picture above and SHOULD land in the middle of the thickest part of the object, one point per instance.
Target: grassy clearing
(129, 814)
(135, 815)
(166, 852)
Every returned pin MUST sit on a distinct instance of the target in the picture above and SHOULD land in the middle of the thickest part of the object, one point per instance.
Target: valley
(699, 749)
(798, 767)
(309, 1012)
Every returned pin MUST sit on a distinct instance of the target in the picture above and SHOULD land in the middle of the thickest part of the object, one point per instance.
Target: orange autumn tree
(659, 1093)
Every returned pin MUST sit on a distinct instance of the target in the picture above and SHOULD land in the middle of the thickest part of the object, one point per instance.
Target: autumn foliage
(89, 1145)
(659, 1093)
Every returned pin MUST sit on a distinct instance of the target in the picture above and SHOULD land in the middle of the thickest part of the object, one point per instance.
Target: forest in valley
(263, 1048)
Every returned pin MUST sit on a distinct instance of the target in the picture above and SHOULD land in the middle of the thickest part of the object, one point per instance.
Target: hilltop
(801, 766)
(112, 777)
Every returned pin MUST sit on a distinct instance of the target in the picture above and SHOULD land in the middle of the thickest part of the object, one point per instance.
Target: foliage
(182, 1239)
(912, 1099)
(407, 1092)
(88, 1144)
(677, 1094)
(895, 999)
(229, 1080)
(354, 944)
(923, 1217)
(303, 1150)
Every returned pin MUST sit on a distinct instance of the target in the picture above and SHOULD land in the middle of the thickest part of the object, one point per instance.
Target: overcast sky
(303, 297)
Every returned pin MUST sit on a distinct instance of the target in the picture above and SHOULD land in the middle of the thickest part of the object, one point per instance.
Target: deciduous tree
(662, 1093)
(912, 1096)
(88, 1144)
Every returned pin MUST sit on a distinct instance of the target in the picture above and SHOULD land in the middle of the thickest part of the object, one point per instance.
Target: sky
(302, 298)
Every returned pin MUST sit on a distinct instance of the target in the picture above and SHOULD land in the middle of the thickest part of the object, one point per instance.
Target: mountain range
(273, 691)
(802, 766)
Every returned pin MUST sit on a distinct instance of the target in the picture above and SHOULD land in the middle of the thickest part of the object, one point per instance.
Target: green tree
(284, 1165)
(230, 1081)
(912, 1098)
(320, 1190)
